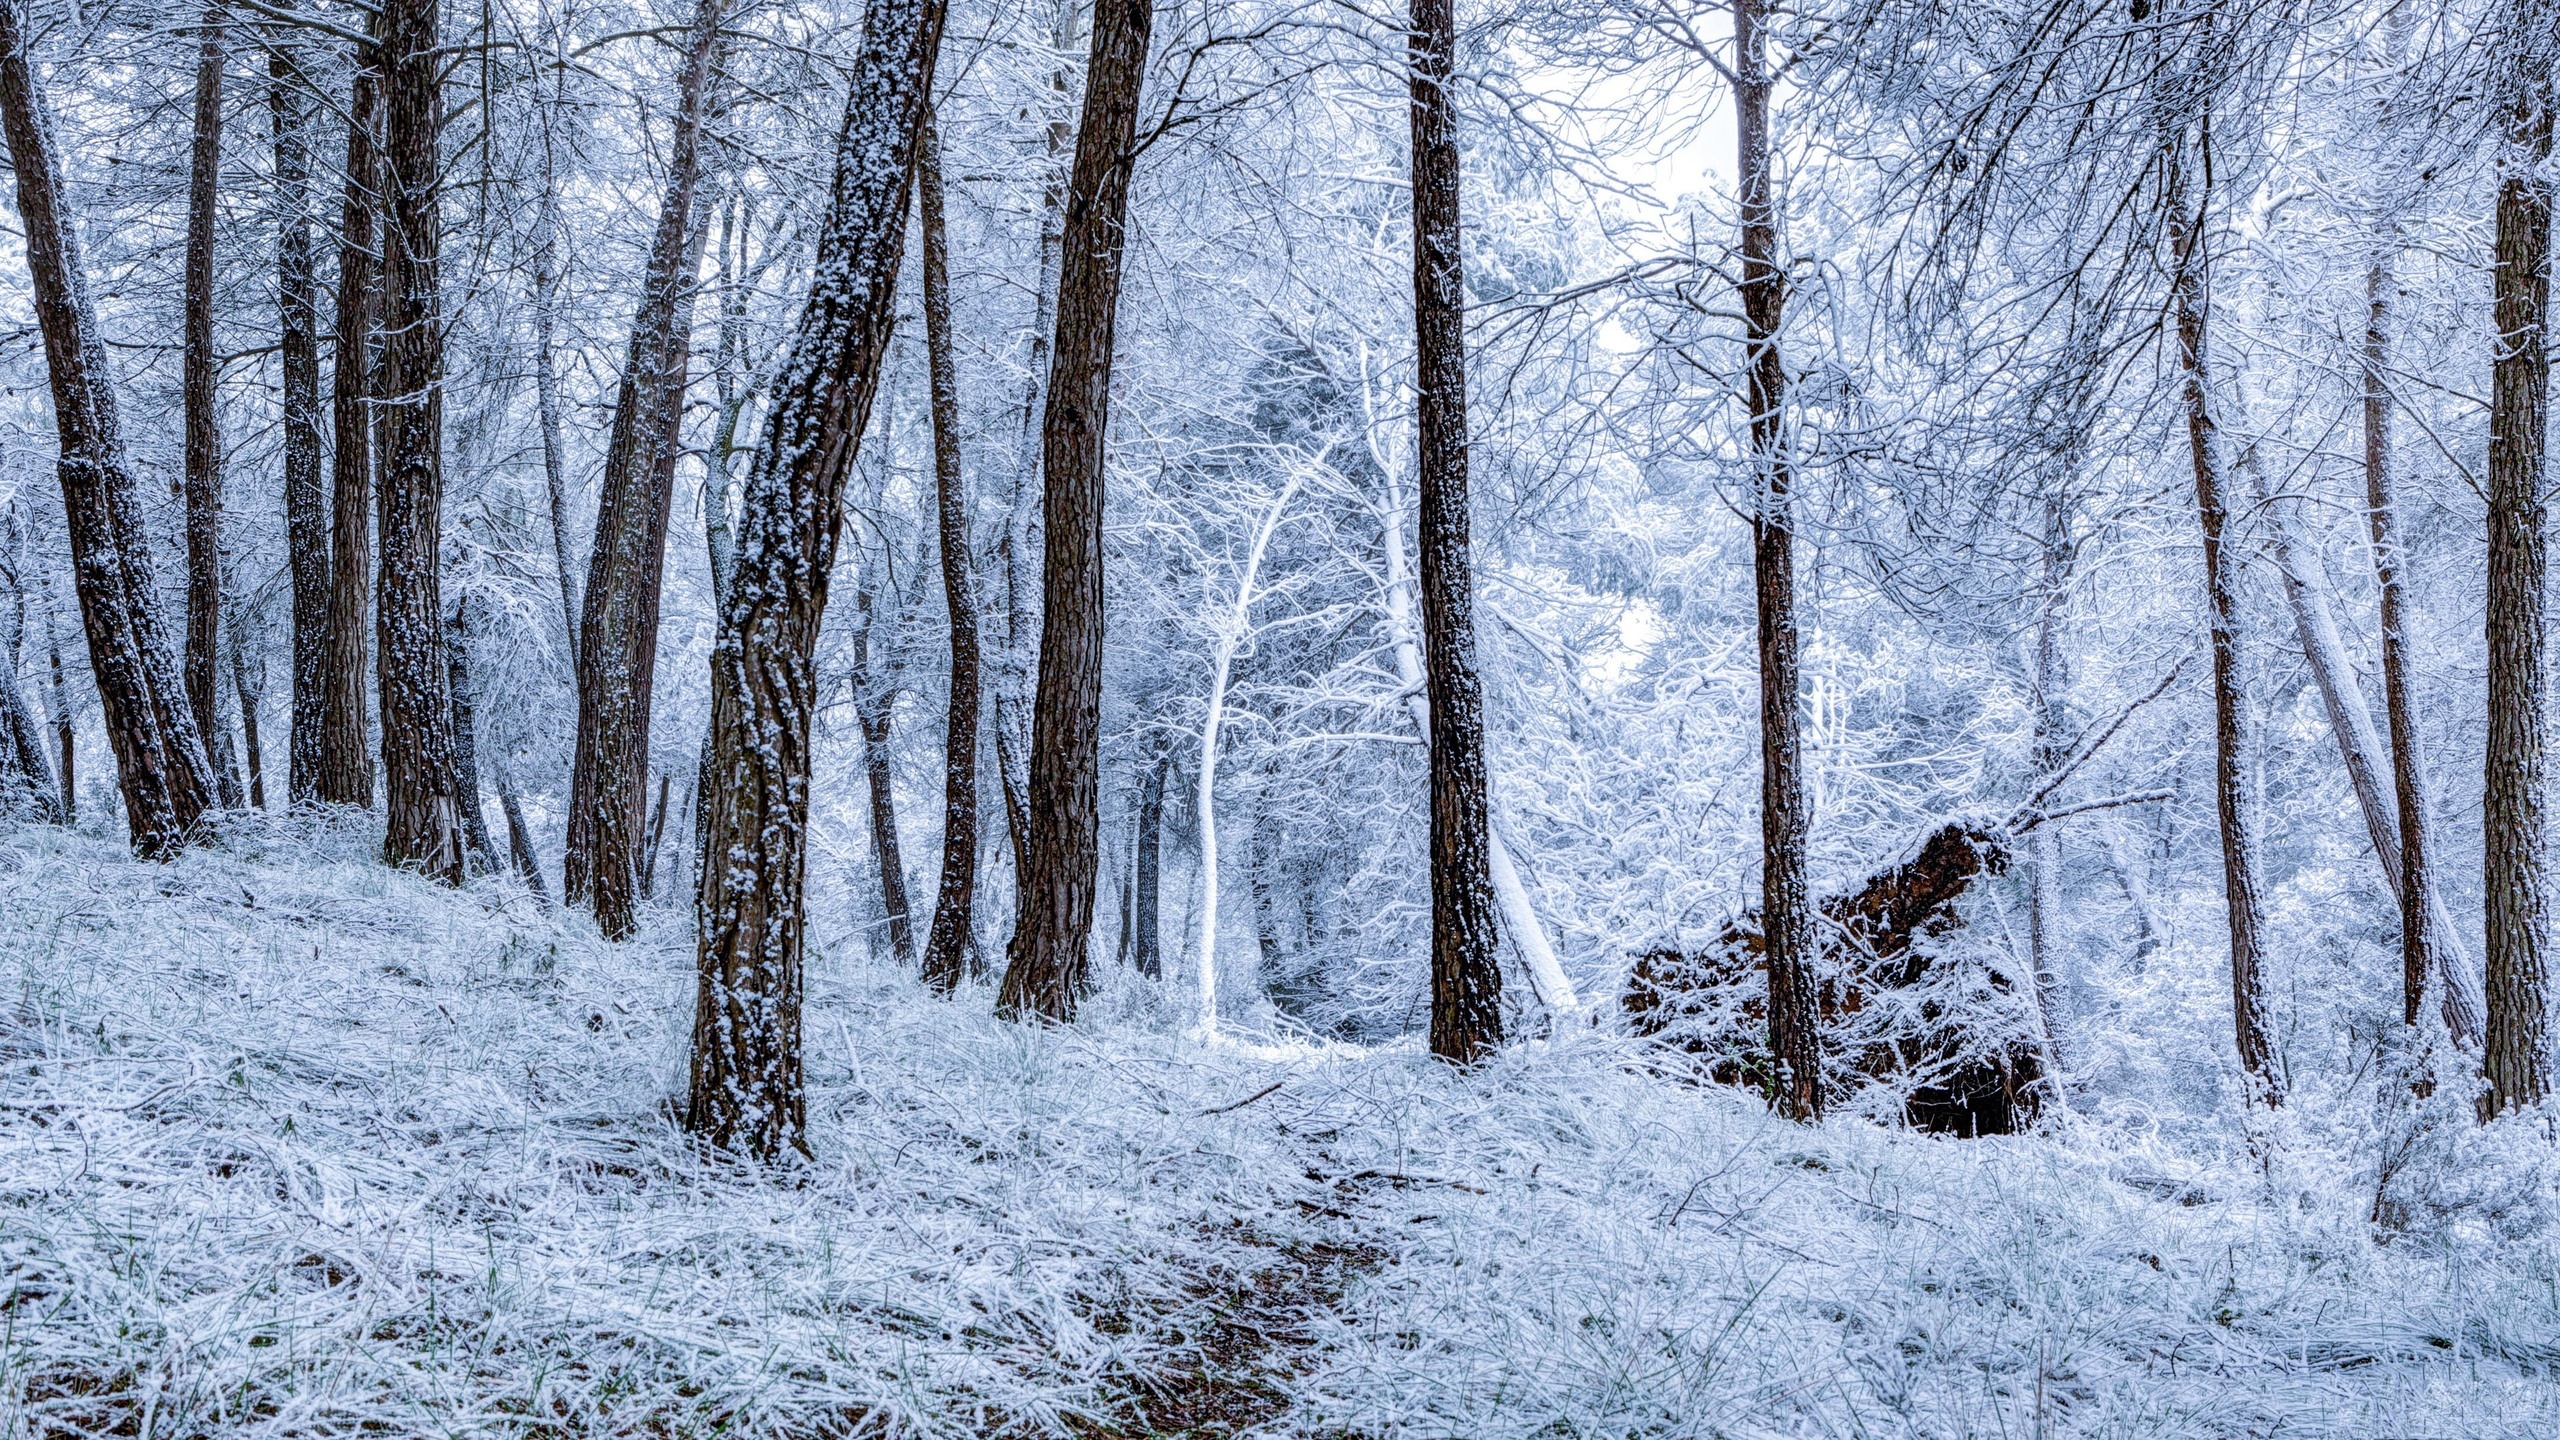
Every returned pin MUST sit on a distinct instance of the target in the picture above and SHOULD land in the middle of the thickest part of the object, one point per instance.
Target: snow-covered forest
(1109, 718)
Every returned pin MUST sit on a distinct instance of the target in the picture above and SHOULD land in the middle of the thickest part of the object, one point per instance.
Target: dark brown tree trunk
(306, 497)
(422, 803)
(1146, 908)
(657, 833)
(2517, 882)
(618, 628)
(1053, 921)
(528, 865)
(875, 699)
(1466, 973)
(946, 951)
(466, 738)
(248, 686)
(201, 379)
(746, 1092)
(2190, 280)
(1786, 895)
(160, 760)
(346, 770)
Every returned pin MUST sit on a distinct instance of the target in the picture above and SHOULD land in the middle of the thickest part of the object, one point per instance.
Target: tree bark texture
(1053, 921)
(946, 950)
(201, 377)
(2189, 279)
(746, 1092)
(466, 738)
(28, 769)
(346, 770)
(58, 689)
(248, 686)
(2517, 883)
(875, 699)
(1786, 896)
(160, 760)
(422, 804)
(306, 496)
(618, 627)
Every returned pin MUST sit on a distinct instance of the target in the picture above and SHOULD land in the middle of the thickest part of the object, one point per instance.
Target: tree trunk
(159, 758)
(1053, 921)
(2044, 879)
(29, 772)
(306, 498)
(201, 378)
(346, 771)
(2233, 801)
(618, 627)
(466, 739)
(875, 699)
(422, 801)
(248, 686)
(2516, 882)
(657, 833)
(546, 389)
(1786, 902)
(1146, 907)
(746, 1091)
(520, 852)
(65, 739)
(947, 944)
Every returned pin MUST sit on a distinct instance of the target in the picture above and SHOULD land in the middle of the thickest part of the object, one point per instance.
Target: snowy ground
(291, 1145)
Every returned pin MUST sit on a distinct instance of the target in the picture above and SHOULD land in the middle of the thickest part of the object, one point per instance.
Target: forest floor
(293, 1145)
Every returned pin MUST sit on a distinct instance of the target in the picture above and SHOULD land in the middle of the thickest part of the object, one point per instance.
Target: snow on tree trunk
(1053, 920)
(2517, 880)
(201, 372)
(421, 802)
(160, 762)
(947, 944)
(618, 628)
(306, 498)
(746, 1092)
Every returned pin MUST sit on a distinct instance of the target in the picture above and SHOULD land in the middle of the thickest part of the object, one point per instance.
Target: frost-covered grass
(294, 1145)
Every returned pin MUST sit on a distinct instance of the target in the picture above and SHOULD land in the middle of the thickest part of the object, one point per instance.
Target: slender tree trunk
(875, 699)
(466, 738)
(1053, 920)
(306, 496)
(947, 944)
(1146, 907)
(657, 832)
(1786, 902)
(546, 389)
(1231, 635)
(2517, 881)
(617, 641)
(1261, 860)
(2044, 880)
(249, 687)
(520, 852)
(746, 1091)
(422, 801)
(159, 757)
(346, 770)
(27, 767)
(202, 375)
(2190, 298)
(65, 739)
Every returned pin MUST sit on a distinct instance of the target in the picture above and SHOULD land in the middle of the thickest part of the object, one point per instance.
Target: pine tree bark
(1045, 968)
(346, 770)
(422, 803)
(306, 497)
(746, 1092)
(946, 951)
(1786, 895)
(618, 628)
(160, 760)
(203, 452)
(1466, 972)
(2189, 281)
(2517, 881)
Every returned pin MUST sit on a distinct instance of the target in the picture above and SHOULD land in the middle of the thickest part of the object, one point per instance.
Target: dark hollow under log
(1876, 941)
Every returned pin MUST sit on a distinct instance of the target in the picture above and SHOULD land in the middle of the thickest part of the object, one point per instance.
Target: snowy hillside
(295, 1145)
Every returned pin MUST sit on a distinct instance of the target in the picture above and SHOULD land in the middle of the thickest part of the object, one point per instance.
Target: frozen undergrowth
(294, 1145)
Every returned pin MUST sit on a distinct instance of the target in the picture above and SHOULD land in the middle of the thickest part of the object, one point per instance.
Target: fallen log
(1958, 1044)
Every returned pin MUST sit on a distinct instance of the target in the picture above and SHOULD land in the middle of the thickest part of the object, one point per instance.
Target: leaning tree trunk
(746, 1091)
(346, 771)
(201, 373)
(2517, 882)
(1053, 921)
(160, 761)
(306, 498)
(2232, 798)
(1786, 895)
(875, 707)
(617, 640)
(946, 950)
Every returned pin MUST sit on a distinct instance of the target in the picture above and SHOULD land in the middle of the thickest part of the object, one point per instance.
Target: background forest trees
(2092, 414)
